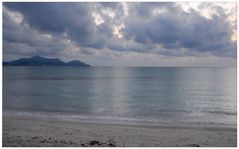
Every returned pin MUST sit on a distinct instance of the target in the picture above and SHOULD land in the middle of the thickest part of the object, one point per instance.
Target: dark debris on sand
(95, 143)
(194, 145)
(35, 141)
(18, 141)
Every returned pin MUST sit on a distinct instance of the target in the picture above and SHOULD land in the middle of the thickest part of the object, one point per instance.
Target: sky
(123, 34)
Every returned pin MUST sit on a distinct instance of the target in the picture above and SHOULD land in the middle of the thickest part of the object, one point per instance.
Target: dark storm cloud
(43, 16)
(73, 18)
(144, 30)
(179, 29)
(17, 33)
(20, 39)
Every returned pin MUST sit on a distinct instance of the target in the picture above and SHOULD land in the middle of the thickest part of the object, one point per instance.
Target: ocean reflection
(205, 95)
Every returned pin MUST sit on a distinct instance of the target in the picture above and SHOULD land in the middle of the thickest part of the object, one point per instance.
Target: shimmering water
(178, 95)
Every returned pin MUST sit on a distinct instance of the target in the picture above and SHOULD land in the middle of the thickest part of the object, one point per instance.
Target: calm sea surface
(148, 94)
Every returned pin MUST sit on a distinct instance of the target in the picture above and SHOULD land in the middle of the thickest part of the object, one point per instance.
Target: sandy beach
(35, 131)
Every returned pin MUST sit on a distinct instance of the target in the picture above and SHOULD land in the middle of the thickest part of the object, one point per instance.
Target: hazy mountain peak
(42, 61)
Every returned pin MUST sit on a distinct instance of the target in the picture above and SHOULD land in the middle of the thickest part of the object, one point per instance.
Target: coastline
(38, 131)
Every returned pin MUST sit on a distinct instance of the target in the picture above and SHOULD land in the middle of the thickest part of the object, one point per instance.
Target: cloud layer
(102, 33)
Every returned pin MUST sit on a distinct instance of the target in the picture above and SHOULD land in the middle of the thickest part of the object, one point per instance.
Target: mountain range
(42, 61)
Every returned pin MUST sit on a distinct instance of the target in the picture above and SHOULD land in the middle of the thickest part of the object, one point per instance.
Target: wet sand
(26, 131)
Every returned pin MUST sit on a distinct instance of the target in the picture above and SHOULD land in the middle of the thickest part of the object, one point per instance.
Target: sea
(124, 94)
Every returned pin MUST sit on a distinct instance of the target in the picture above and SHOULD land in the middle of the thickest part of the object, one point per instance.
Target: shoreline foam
(112, 120)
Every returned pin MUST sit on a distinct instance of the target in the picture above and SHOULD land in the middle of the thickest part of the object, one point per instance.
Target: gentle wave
(103, 119)
(222, 112)
(193, 111)
(84, 78)
(77, 116)
(74, 116)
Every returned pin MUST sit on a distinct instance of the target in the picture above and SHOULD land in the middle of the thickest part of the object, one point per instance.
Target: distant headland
(42, 61)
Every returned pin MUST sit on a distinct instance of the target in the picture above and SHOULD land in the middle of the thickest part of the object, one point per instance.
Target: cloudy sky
(123, 34)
